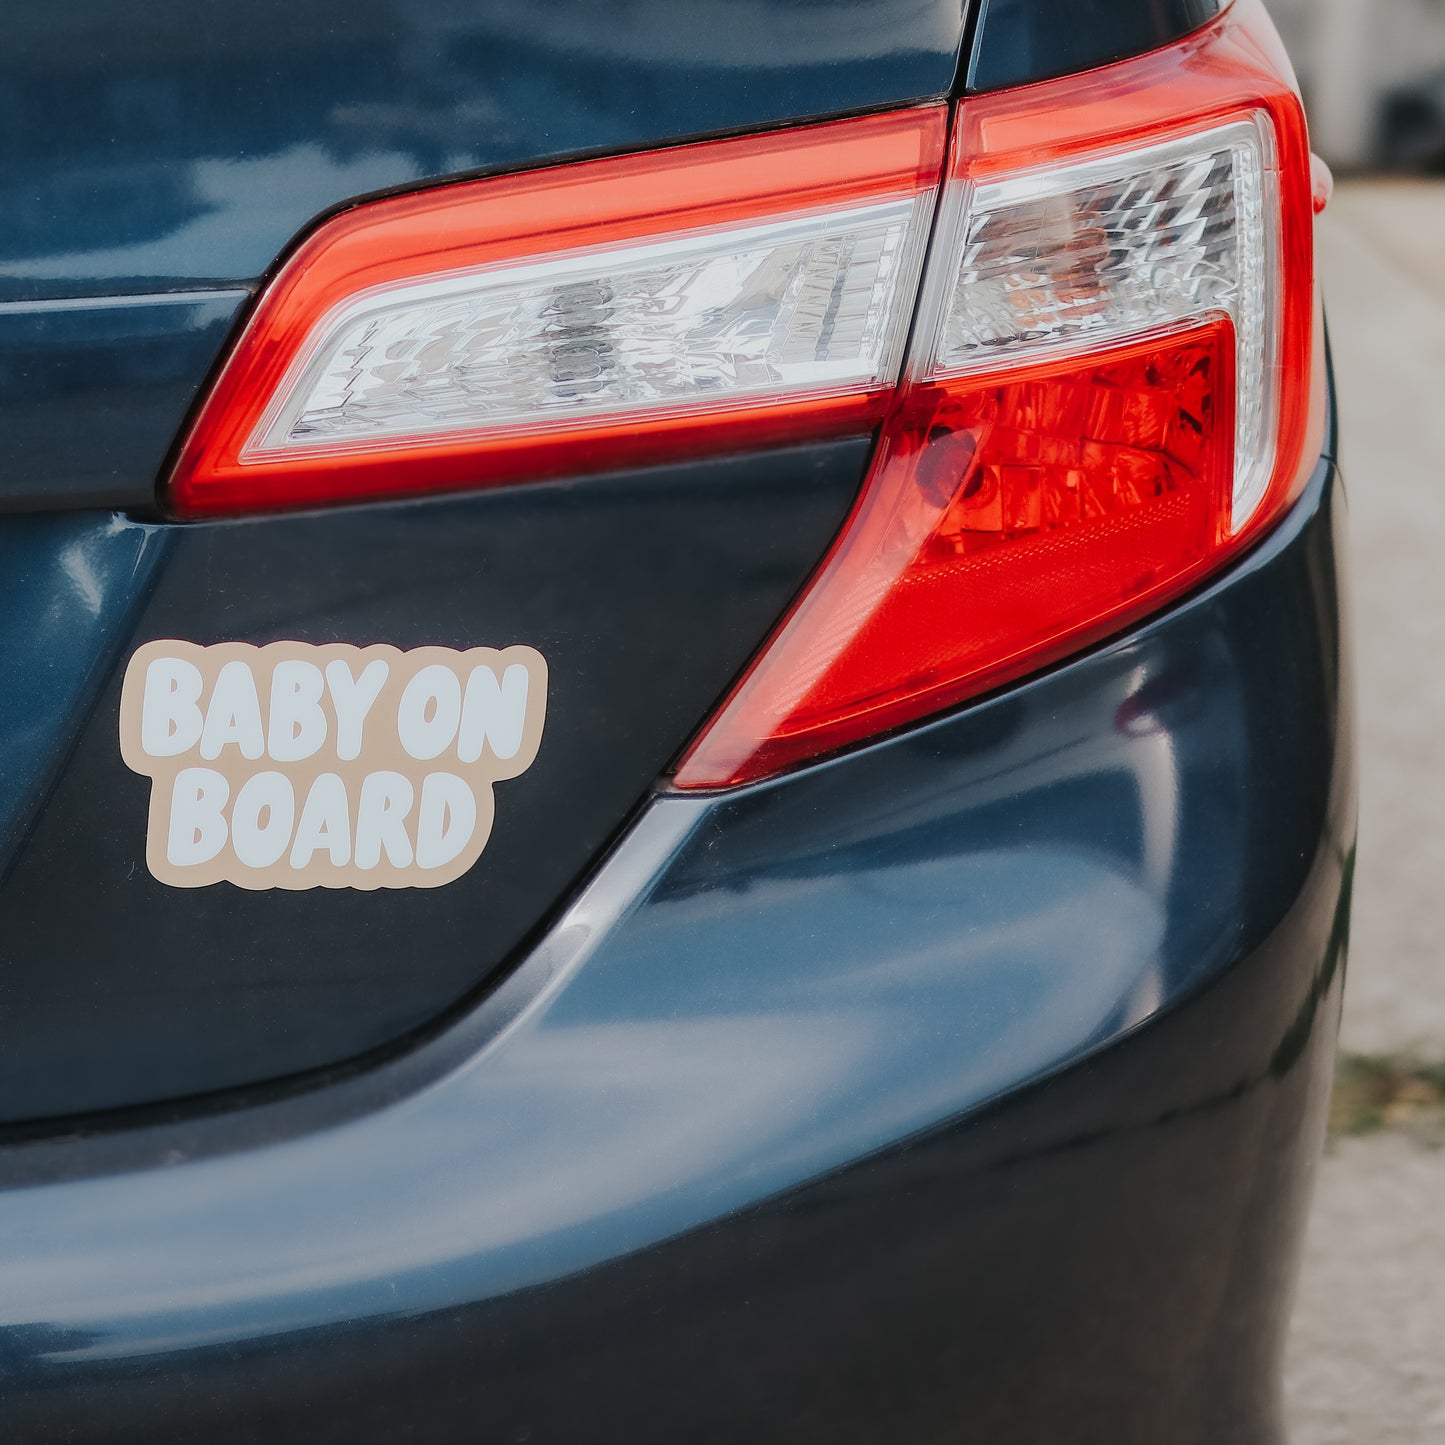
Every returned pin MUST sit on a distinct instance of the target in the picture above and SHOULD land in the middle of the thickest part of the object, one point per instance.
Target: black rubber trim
(1017, 42)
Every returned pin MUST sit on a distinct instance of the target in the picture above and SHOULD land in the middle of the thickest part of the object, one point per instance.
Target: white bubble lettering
(198, 824)
(170, 713)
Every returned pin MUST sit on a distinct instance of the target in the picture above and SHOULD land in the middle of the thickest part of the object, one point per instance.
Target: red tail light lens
(1111, 390)
(1006, 525)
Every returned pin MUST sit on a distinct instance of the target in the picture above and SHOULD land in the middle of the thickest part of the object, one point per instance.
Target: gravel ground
(1367, 1356)
(1383, 260)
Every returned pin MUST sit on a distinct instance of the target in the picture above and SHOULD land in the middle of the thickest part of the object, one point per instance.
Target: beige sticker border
(381, 751)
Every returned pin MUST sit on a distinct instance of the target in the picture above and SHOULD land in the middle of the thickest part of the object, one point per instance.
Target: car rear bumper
(968, 1084)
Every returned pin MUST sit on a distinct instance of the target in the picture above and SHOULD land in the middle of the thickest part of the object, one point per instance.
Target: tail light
(1111, 389)
(1103, 384)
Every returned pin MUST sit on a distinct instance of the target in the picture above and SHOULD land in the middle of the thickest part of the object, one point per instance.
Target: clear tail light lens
(800, 307)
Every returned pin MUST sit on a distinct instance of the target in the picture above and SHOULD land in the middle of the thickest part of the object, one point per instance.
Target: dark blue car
(677, 738)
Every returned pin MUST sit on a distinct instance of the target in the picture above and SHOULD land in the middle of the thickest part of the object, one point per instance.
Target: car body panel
(860, 1102)
(186, 144)
(646, 592)
(92, 393)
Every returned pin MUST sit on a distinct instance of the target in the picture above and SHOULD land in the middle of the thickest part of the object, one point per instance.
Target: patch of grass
(1389, 1091)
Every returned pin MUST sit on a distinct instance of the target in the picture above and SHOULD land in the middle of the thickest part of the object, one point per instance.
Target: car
(679, 756)
(1412, 124)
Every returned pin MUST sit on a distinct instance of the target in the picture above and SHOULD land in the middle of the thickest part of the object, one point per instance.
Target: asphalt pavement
(1367, 1353)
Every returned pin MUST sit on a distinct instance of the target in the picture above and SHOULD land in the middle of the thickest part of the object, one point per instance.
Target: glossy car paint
(971, 1082)
(92, 391)
(185, 142)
